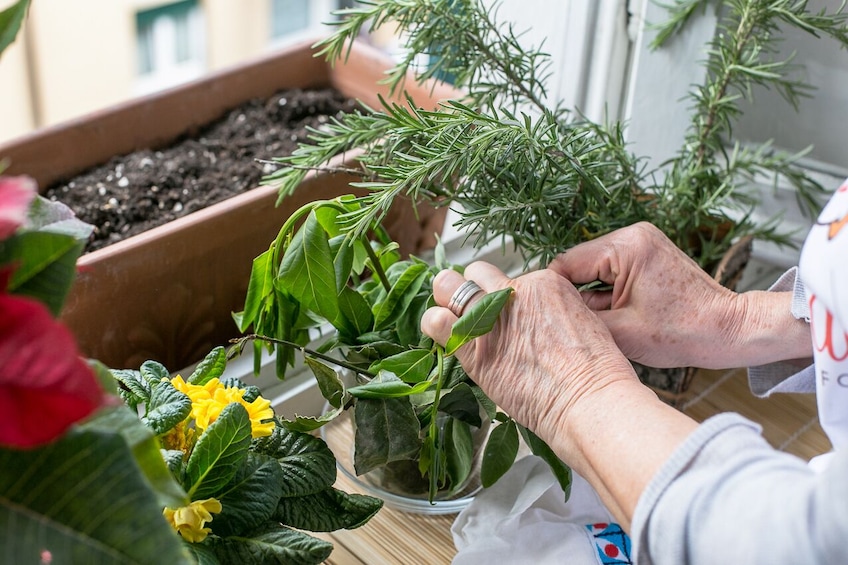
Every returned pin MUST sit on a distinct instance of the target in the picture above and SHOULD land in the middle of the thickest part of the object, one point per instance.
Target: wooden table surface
(393, 537)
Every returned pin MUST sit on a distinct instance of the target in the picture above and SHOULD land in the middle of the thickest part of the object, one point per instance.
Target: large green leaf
(307, 463)
(307, 272)
(218, 453)
(202, 555)
(271, 543)
(386, 430)
(478, 319)
(499, 455)
(45, 265)
(327, 511)
(411, 366)
(167, 407)
(212, 366)
(82, 499)
(250, 498)
(401, 294)
(145, 449)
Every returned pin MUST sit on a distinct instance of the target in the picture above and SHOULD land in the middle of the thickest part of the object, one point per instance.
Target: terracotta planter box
(168, 293)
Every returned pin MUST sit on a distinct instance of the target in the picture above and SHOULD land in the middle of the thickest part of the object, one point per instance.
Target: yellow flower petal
(190, 521)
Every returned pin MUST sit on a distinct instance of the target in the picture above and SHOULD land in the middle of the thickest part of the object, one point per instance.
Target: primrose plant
(250, 488)
(413, 405)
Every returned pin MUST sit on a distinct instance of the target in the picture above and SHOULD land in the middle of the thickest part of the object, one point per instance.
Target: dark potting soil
(139, 191)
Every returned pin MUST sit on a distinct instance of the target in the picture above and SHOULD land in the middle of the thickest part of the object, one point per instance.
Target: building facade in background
(72, 58)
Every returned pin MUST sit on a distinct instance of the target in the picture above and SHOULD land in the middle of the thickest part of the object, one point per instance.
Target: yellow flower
(189, 521)
(209, 400)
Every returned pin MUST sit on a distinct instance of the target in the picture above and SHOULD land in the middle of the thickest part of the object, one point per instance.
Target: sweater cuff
(764, 380)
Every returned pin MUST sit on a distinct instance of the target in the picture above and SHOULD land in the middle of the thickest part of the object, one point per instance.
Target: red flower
(45, 386)
(16, 193)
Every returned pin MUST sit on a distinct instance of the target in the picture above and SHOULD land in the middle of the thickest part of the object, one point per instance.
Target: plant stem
(305, 351)
(742, 37)
(378, 268)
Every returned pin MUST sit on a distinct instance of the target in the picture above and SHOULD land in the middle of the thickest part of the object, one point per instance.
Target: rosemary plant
(539, 174)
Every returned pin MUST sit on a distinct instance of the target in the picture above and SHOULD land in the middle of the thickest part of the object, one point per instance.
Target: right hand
(663, 310)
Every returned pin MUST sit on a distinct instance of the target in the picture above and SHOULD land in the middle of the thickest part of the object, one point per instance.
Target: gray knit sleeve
(785, 377)
(726, 496)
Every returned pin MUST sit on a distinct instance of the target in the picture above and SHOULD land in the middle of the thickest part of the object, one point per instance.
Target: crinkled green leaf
(271, 543)
(327, 511)
(500, 452)
(251, 497)
(212, 366)
(307, 463)
(133, 389)
(411, 366)
(218, 453)
(154, 372)
(386, 430)
(202, 554)
(83, 499)
(167, 408)
(477, 320)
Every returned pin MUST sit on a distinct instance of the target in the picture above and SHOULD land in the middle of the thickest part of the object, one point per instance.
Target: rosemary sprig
(546, 178)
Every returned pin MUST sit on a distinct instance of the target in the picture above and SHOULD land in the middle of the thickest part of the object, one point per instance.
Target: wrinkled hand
(663, 310)
(546, 352)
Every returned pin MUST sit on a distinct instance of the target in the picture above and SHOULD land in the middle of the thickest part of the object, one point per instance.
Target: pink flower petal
(16, 193)
(45, 386)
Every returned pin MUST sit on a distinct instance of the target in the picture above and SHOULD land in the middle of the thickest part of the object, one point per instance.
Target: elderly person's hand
(666, 311)
(546, 353)
(552, 365)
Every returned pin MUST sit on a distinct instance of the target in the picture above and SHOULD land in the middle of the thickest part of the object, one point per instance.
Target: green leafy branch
(412, 403)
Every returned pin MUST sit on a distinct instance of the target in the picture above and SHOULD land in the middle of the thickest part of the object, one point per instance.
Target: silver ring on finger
(462, 296)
